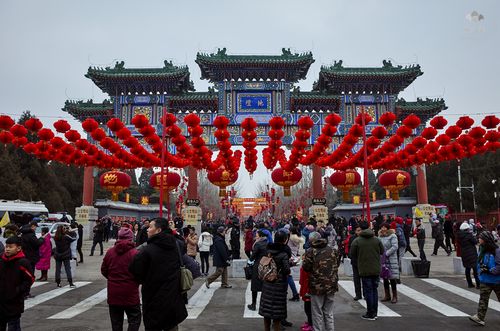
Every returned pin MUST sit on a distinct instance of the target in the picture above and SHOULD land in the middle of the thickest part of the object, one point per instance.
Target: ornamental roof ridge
(387, 67)
(222, 55)
(428, 103)
(106, 103)
(119, 68)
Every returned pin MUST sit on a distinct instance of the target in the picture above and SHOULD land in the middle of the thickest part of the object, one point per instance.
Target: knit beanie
(125, 234)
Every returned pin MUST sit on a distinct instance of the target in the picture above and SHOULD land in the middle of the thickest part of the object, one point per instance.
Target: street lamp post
(471, 189)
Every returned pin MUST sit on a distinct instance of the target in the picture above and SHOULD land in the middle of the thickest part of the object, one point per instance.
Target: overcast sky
(47, 46)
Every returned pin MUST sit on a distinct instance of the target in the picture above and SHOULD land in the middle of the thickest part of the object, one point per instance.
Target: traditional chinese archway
(253, 101)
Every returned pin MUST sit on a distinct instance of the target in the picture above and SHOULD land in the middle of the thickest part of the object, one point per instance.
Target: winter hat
(220, 229)
(394, 225)
(464, 226)
(287, 226)
(471, 221)
(399, 220)
(310, 227)
(125, 234)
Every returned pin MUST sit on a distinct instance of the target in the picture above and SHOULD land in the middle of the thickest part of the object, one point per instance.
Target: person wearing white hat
(469, 253)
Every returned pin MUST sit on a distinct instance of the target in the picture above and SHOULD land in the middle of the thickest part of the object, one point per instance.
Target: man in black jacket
(98, 237)
(157, 268)
(15, 283)
(235, 239)
(221, 258)
(354, 263)
(31, 244)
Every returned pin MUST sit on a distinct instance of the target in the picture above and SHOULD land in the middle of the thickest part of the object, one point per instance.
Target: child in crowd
(16, 279)
(306, 297)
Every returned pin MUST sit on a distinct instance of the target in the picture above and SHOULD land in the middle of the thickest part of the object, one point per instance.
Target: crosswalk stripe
(430, 302)
(383, 310)
(82, 306)
(41, 298)
(461, 292)
(198, 302)
(36, 284)
(248, 300)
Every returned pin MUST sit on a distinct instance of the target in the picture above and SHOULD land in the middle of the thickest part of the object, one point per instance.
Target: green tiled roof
(219, 66)
(301, 101)
(83, 109)
(194, 101)
(425, 109)
(124, 80)
(388, 78)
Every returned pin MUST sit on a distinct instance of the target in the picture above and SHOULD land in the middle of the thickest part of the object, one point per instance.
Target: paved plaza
(441, 302)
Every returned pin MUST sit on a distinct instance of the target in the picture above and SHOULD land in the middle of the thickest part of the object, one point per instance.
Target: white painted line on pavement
(495, 305)
(36, 284)
(82, 306)
(430, 302)
(198, 302)
(41, 298)
(248, 300)
(383, 310)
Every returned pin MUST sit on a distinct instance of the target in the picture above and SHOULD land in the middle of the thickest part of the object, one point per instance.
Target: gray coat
(390, 243)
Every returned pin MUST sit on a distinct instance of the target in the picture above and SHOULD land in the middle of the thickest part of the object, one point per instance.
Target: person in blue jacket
(488, 267)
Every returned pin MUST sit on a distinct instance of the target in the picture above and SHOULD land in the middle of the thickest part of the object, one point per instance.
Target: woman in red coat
(123, 290)
(248, 241)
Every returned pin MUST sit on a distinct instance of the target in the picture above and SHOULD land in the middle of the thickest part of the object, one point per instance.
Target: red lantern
(394, 181)
(222, 178)
(286, 179)
(170, 182)
(345, 181)
(115, 181)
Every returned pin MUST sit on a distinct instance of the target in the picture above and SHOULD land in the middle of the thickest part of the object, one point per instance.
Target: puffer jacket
(191, 243)
(274, 295)
(468, 248)
(15, 282)
(157, 267)
(63, 248)
(390, 243)
(31, 244)
(492, 262)
(123, 289)
(205, 241)
(258, 251)
(321, 262)
(367, 250)
(294, 243)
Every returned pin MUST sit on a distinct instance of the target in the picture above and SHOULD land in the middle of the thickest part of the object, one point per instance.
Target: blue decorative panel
(248, 102)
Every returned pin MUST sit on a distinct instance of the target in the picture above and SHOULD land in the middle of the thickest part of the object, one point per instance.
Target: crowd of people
(154, 252)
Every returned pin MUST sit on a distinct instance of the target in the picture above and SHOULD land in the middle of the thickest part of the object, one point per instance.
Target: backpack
(267, 270)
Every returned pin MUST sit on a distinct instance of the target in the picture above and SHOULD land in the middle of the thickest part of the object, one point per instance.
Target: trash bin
(421, 268)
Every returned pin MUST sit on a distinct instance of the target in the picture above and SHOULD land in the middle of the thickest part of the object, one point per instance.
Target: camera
(483, 269)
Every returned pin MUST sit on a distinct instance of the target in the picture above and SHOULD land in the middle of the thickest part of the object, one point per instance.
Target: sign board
(191, 215)
(319, 201)
(423, 211)
(321, 212)
(193, 202)
(85, 213)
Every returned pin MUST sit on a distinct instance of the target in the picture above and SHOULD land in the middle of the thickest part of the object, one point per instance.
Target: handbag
(186, 275)
(248, 271)
(385, 268)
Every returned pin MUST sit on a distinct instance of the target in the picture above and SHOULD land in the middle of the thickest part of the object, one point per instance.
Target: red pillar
(192, 188)
(317, 182)
(88, 186)
(422, 197)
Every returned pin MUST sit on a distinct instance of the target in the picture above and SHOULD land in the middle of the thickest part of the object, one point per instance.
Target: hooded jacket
(321, 262)
(205, 241)
(123, 289)
(367, 250)
(468, 248)
(157, 268)
(30, 244)
(389, 241)
(15, 283)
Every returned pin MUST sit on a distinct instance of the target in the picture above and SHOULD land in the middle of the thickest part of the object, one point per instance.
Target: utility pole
(460, 188)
